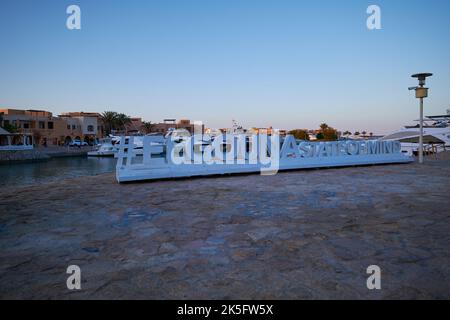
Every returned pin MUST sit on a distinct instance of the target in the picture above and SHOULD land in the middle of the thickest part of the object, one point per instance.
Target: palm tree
(356, 133)
(148, 126)
(347, 133)
(323, 126)
(109, 119)
(300, 134)
(364, 133)
(122, 121)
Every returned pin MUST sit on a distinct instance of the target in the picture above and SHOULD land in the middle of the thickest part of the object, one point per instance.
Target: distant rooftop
(80, 114)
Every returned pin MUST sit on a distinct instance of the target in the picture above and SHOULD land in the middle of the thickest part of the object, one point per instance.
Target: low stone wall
(41, 153)
(58, 152)
(22, 155)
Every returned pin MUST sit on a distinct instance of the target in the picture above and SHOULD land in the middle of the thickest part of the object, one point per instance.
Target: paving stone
(295, 235)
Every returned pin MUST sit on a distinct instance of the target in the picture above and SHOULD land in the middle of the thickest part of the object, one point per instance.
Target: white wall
(85, 122)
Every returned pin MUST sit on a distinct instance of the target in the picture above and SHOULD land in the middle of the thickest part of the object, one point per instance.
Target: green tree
(10, 128)
(327, 133)
(300, 134)
(148, 126)
(330, 134)
(7, 126)
(122, 121)
(109, 119)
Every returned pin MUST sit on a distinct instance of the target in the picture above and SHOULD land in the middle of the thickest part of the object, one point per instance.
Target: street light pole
(421, 133)
(421, 92)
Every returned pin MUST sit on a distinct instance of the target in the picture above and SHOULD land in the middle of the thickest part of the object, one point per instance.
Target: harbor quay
(304, 234)
(42, 154)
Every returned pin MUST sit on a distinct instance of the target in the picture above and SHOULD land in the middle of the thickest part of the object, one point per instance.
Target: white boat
(436, 135)
(176, 134)
(157, 143)
(199, 146)
(106, 149)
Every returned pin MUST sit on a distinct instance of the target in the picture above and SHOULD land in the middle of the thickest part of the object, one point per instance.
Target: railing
(434, 149)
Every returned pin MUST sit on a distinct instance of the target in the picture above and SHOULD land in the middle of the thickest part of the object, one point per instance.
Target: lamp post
(421, 93)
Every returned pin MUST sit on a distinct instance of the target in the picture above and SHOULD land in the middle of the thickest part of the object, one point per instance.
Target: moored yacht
(106, 149)
(157, 143)
(436, 135)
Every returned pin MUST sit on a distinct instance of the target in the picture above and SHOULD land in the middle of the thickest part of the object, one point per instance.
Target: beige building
(135, 126)
(50, 130)
(86, 126)
(163, 127)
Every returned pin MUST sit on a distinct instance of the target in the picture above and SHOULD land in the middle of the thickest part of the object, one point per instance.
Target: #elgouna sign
(203, 155)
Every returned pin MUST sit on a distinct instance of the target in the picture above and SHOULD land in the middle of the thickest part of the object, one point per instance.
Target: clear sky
(288, 64)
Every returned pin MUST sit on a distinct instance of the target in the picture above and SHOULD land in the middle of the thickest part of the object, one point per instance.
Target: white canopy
(3, 132)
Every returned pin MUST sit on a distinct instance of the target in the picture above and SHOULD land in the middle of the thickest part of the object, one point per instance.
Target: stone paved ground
(297, 235)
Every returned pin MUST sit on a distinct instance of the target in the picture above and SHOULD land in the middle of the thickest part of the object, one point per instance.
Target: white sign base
(149, 168)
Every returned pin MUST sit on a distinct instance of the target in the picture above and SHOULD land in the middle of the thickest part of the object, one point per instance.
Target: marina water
(30, 173)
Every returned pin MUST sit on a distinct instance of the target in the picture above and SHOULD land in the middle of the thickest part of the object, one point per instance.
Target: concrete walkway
(296, 235)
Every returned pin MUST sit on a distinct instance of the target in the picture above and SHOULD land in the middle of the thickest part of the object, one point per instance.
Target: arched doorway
(89, 139)
(67, 140)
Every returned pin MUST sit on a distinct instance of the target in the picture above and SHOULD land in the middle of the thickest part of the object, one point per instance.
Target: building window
(74, 127)
(68, 127)
(50, 125)
(26, 125)
(90, 128)
(41, 125)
